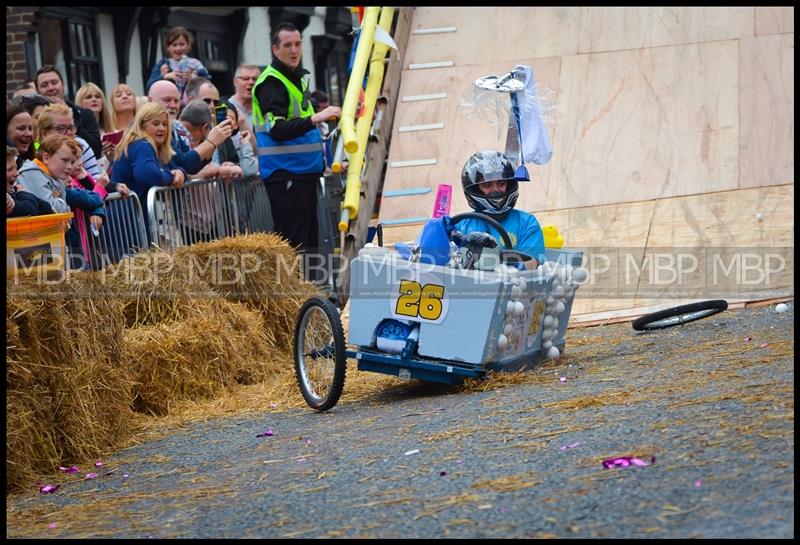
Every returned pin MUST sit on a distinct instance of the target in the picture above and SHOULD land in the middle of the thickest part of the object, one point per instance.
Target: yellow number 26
(420, 301)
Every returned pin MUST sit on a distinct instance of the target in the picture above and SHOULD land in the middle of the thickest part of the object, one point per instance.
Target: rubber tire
(340, 364)
(712, 307)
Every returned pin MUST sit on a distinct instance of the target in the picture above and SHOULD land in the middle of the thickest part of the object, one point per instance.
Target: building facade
(110, 45)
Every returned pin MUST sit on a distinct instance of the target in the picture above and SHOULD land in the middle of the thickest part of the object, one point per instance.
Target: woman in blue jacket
(144, 157)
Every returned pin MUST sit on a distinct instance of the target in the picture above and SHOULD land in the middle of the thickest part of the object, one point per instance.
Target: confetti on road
(625, 461)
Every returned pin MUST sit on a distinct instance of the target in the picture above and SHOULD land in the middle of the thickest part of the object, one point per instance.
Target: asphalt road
(710, 413)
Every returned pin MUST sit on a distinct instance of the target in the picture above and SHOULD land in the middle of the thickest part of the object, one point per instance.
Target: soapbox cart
(440, 310)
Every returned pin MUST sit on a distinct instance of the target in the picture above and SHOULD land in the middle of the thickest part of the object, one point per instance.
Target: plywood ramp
(670, 127)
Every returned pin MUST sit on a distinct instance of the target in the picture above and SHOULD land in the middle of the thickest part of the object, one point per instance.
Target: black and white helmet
(488, 166)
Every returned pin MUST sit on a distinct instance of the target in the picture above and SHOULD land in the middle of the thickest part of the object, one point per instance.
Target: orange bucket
(36, 243)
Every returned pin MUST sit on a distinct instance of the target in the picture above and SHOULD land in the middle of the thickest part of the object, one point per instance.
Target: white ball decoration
(548, 321)
(580, 275)
(554, 327)
(546, 345)
(560, 306)
(558, 290)
(553, 353)
(548, 334)
(519, 308)
(507, 329)
(502, 342)
(550, 300)
(516, 291)
(509, 308)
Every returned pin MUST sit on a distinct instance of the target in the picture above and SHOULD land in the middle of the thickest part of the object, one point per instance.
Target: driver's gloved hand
(458, 237)
(477, 239)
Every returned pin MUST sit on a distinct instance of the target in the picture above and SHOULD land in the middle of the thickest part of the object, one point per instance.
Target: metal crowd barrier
(252, 204)
(123, 232)
(205, 210)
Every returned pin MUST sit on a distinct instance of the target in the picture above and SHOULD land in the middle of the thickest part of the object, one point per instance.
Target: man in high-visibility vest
(290, 152)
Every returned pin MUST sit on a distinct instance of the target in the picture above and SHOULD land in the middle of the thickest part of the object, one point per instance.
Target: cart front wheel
(319, 358)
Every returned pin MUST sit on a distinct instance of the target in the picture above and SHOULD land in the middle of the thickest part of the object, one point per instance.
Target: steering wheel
(507, 254)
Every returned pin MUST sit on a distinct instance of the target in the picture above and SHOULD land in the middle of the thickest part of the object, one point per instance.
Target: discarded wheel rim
(679, 315)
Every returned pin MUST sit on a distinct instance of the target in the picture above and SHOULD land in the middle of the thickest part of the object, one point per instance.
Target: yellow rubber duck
(551, 237)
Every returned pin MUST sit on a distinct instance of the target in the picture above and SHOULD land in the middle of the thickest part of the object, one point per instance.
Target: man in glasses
(290, 153)
(204, 90)
(243, 82)
(49, 83)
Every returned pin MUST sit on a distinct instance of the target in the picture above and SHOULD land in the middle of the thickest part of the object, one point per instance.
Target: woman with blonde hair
(91, 97)
(144, 156)
(122, 106)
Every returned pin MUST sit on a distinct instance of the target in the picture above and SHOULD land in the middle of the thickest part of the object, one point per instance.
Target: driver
(491, 188)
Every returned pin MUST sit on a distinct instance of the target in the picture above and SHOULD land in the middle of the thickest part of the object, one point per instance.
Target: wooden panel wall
(616, 29)
(766, 142)
(525, 33)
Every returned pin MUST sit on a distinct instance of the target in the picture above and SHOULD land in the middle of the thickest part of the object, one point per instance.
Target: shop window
(69, 43)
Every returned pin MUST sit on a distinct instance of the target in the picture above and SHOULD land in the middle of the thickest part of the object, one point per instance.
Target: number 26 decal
(420, 301)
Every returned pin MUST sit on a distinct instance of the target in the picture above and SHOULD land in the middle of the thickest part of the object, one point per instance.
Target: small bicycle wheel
(319, 358)
(682, 314)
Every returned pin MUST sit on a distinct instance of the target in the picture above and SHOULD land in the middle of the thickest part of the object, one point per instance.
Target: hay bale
(65, 367)
(260, 270)
(154, 288)
(258, 359)
(198, 357)
(32, 447)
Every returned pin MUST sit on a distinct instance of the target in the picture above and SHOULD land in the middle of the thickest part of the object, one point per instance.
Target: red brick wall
(20, 21)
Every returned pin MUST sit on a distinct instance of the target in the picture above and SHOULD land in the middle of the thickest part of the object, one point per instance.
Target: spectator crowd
(67, 155)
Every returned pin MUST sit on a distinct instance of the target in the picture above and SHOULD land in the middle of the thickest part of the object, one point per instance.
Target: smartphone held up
(220, 113)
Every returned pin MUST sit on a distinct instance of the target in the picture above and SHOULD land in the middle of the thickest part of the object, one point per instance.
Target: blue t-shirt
(523, 229)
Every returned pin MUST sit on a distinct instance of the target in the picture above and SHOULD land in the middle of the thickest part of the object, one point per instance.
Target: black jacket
(28, 204)
(86, 127)
(273, 97)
